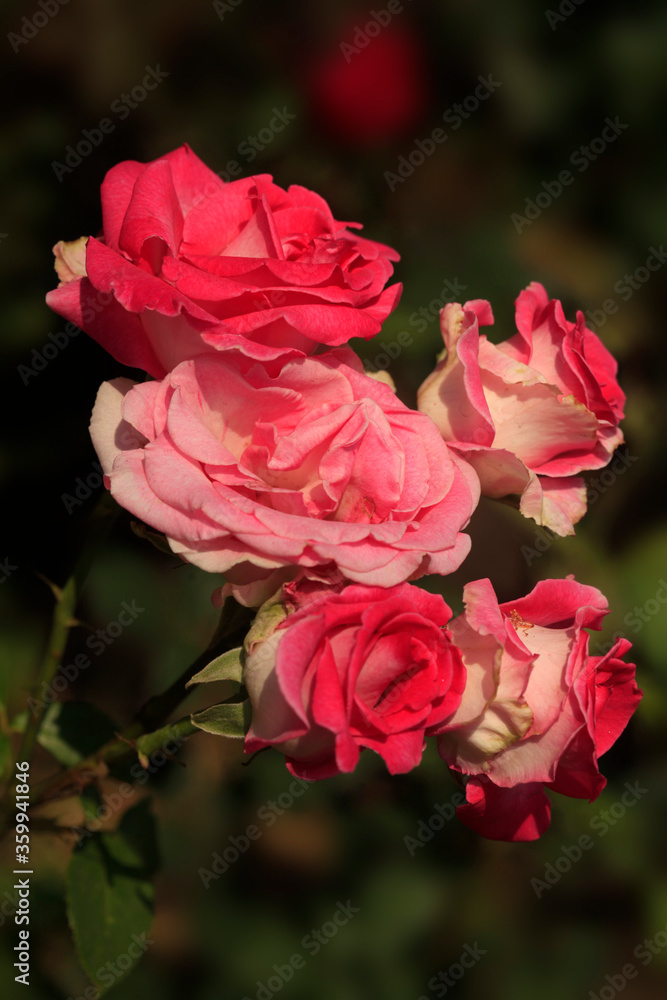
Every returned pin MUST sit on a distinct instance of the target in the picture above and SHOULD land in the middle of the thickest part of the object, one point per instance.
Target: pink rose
(364, 667)
(303, 462)
(531, 413)
(537, 711)
(189, 264)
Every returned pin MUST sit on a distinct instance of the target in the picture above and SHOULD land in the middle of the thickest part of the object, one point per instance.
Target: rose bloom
(307, 462)
(531, 413)
(538, 710)
(188, 264)
(365, 667)
(367, 93)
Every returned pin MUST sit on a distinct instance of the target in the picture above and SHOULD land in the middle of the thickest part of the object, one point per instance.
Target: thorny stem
(147, 731)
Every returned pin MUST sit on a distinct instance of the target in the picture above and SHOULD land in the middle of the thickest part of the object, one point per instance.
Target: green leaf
(91, 800)
(110, 896)
(229, 719)
(227, 667)
(71, 730)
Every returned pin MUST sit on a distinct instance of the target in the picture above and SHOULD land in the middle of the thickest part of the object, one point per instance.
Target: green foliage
(110, 896)
(71, 730)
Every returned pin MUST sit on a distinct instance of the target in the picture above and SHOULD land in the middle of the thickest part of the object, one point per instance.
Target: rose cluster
(262, 450)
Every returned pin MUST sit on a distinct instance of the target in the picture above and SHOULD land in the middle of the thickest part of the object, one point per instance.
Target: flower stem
(172, 732)
(147, 731)
(98, 527)
(63, 619)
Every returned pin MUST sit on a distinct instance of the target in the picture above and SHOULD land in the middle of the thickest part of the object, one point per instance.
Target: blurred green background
(558, 75)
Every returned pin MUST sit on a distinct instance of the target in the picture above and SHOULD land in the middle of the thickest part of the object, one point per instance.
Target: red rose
(365, 667)
(370, 88)
(189, 264)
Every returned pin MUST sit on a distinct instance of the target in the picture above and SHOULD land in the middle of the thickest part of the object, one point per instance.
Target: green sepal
(227, 667)
(267, 620)
(231, 719)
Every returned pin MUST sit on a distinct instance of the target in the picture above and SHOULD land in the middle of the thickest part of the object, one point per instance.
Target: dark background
(356, 113)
